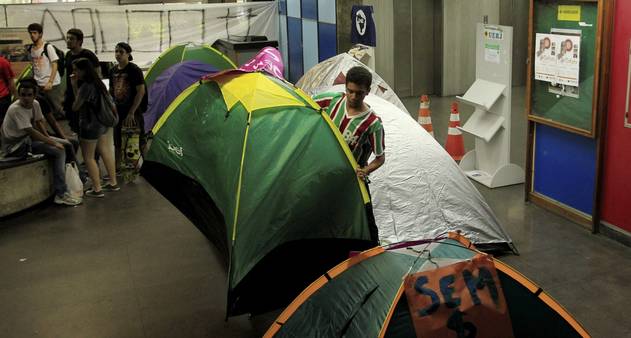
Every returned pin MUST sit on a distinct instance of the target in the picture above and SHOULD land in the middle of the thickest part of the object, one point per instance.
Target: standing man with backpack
(46, 61)
(48, 68)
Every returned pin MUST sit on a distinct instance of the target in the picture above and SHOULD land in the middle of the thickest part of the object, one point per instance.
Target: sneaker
(111, 187)
(93, 193)
(66, 199)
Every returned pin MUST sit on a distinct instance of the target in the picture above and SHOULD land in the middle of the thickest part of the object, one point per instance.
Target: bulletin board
(565, 129)
(573, 109)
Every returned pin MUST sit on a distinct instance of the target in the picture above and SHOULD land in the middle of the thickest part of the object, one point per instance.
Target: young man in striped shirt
(359, 125)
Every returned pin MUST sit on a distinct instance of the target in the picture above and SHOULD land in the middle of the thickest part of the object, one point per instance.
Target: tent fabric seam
(183, 52)
(236, 208)
(156, 62)
(221, 54)
(393, 305)
(319, 283)
(171, 108)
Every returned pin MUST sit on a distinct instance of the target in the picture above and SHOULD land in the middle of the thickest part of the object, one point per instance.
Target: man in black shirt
(127, 86)
(74, 42)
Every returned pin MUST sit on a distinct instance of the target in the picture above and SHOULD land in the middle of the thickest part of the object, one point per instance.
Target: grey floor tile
(114, 316)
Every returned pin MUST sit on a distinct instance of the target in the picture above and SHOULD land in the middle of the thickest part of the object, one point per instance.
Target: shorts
(92, 132)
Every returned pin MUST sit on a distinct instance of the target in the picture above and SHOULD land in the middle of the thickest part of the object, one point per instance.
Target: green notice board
(571, 113)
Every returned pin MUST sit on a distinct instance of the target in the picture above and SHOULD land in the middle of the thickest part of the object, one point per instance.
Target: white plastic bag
(73, 181)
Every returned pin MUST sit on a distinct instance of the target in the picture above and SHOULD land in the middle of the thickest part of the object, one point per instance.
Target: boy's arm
(53, 70)
(37, 136)
(50, 118)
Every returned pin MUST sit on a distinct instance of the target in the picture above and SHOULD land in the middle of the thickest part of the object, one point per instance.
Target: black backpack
(61, 62)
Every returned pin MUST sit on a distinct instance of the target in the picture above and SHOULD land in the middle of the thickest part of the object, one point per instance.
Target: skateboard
(130, 149)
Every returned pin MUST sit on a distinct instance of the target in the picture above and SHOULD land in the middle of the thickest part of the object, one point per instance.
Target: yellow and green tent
(188, 52)
(265, 175)
(26, 72)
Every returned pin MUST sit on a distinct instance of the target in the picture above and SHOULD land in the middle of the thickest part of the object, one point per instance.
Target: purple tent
(170, 84)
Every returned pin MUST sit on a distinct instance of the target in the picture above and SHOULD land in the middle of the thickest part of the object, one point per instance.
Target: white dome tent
(420, 192)
(332, 71)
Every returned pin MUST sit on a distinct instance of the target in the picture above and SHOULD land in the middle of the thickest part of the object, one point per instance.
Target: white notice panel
(557, 58)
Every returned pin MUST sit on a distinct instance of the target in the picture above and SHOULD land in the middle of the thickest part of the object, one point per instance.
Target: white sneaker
(66, 199)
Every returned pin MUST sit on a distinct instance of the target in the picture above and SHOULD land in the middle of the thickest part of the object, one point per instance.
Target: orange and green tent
(365, 296)
(188, 52)
(265, 175)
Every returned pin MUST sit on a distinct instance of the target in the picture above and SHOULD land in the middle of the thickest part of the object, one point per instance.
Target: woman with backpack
(97, 117)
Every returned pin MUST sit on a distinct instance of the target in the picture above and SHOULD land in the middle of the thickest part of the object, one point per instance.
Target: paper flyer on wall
(557, 58)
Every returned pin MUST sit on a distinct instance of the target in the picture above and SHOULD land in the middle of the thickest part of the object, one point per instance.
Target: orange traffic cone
(455, 140)
(425, 115)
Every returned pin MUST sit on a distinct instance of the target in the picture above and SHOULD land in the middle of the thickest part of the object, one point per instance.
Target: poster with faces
(557, 58)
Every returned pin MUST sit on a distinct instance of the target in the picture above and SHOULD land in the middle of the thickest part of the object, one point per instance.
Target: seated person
(57, 131)
(23, 130)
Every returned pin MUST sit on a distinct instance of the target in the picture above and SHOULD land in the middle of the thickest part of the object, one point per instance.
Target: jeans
(59, 161)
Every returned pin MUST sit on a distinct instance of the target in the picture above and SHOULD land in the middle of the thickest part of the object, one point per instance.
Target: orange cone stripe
(424, 115)
(455, 140)
(425, 120)
(454, 131)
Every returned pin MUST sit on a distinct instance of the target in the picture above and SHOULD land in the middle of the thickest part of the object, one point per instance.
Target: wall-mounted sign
(492, 52)
(363, 26)
(557, 59)
(569, 13)
(492, 33)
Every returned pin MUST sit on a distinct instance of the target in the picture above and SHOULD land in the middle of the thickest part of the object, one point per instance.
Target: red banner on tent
(460, 300)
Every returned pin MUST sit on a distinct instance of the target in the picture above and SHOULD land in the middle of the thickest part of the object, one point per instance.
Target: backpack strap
(45, 52)
(29, 49)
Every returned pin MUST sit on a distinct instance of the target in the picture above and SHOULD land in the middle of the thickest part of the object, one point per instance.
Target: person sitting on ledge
(23, 131)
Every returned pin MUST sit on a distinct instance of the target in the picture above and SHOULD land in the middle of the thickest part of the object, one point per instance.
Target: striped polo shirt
(363, 133)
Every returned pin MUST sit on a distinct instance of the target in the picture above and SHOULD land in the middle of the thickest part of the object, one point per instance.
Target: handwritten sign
(460, 300)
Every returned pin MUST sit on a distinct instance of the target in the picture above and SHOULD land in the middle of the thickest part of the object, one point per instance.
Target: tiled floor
(130, 265)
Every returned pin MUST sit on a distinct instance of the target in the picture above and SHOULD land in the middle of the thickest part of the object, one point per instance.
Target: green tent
(184, 52)
(26, 72)
(364, 296)
(265, 175)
